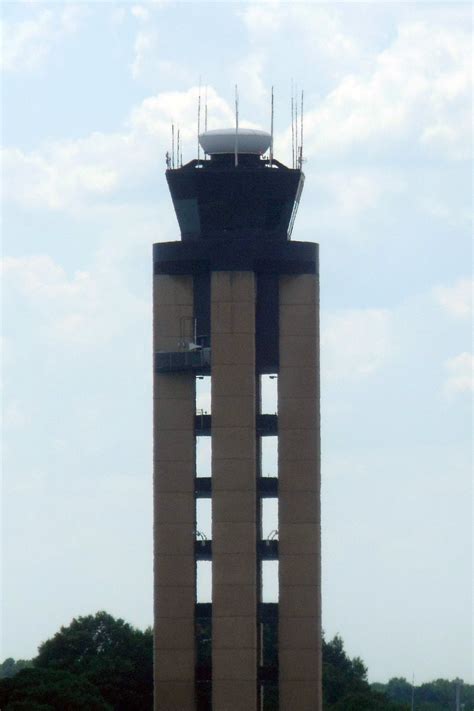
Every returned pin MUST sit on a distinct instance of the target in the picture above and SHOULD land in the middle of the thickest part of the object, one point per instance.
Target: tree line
(100, 663)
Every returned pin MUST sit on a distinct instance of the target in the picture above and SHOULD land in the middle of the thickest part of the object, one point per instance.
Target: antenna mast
(301, 146)
(177, 150)
(236, 147)
(205, 109)
(292, 130)
(199, 118)
(271, 131)
(172, 145)
(296, 128)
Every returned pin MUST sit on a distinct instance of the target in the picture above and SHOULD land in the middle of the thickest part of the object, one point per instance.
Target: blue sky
(89, 94)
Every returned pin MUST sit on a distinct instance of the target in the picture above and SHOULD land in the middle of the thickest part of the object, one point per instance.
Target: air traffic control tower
(235, 299)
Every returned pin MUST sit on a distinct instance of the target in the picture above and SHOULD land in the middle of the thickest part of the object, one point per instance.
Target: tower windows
(203, 581)
(269, 519)
(203, 395)
(203, 519)
(268, 394)
(203, 456)
(269, 577)
(269, 456)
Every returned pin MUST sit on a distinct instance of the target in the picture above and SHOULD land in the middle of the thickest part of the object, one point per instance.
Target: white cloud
(248, 74)
(318, 29)
(61, 173)
(150, 68)
(146, 45)
(156, 113)
(349, 194)
(460, 374)
(418, 89)
(27, 44)
(86, 310)
(355, 343)
(66, 175)
(140, 12)
(456, 300)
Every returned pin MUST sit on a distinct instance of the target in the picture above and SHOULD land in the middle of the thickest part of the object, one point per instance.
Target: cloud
(148, 66)
(146, 45)
(86, 310)
(67, 175)
(140, 12)
(389, 92)
(248, 74)
(355, 343)
(456, 300)
(26, 45)
(319, 30)
(460, 370)
(418, 89)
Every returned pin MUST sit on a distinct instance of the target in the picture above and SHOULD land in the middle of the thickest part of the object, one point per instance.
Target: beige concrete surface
(299, 496)
(174, 505)
(234, 602)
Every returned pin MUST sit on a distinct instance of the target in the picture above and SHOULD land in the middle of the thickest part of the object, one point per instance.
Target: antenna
(199, 118)
(205, 110)
(296, 127)
(271, 130)
(172, 145)
(292, 129)
(236, 146)
(301, 146)
(177, 150)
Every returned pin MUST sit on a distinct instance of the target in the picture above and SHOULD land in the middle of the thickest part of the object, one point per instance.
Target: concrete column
(174, 505)
(299, 496)
(234, 625)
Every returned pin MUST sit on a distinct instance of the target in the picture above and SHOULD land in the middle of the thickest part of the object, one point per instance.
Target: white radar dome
(223, 140)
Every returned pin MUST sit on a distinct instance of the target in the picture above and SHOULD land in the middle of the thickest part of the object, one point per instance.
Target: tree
(50, 690)
(345, 686)
(438, 695)
(109, 653)
(10, 667)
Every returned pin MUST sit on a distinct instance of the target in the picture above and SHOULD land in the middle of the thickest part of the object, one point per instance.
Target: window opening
(269, 519)
(203, 519)
(203, 395)
(270, 587)
(268, 394)
(203, 581)
(203, 456)
(269, 456)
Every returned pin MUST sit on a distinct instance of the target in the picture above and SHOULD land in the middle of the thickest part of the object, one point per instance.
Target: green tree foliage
(439, 695)
(345, 686)
(10, 667)
(112, 655)
(50, 690)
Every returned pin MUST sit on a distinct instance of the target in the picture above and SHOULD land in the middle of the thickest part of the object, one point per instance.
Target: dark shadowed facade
(236, 299)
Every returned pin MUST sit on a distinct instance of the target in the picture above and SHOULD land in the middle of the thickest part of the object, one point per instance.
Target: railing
(180, 361)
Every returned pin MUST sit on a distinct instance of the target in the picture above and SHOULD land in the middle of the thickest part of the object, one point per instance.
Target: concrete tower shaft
(235, 299)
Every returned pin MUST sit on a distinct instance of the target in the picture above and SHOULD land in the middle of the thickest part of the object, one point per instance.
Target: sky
(89, 93)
